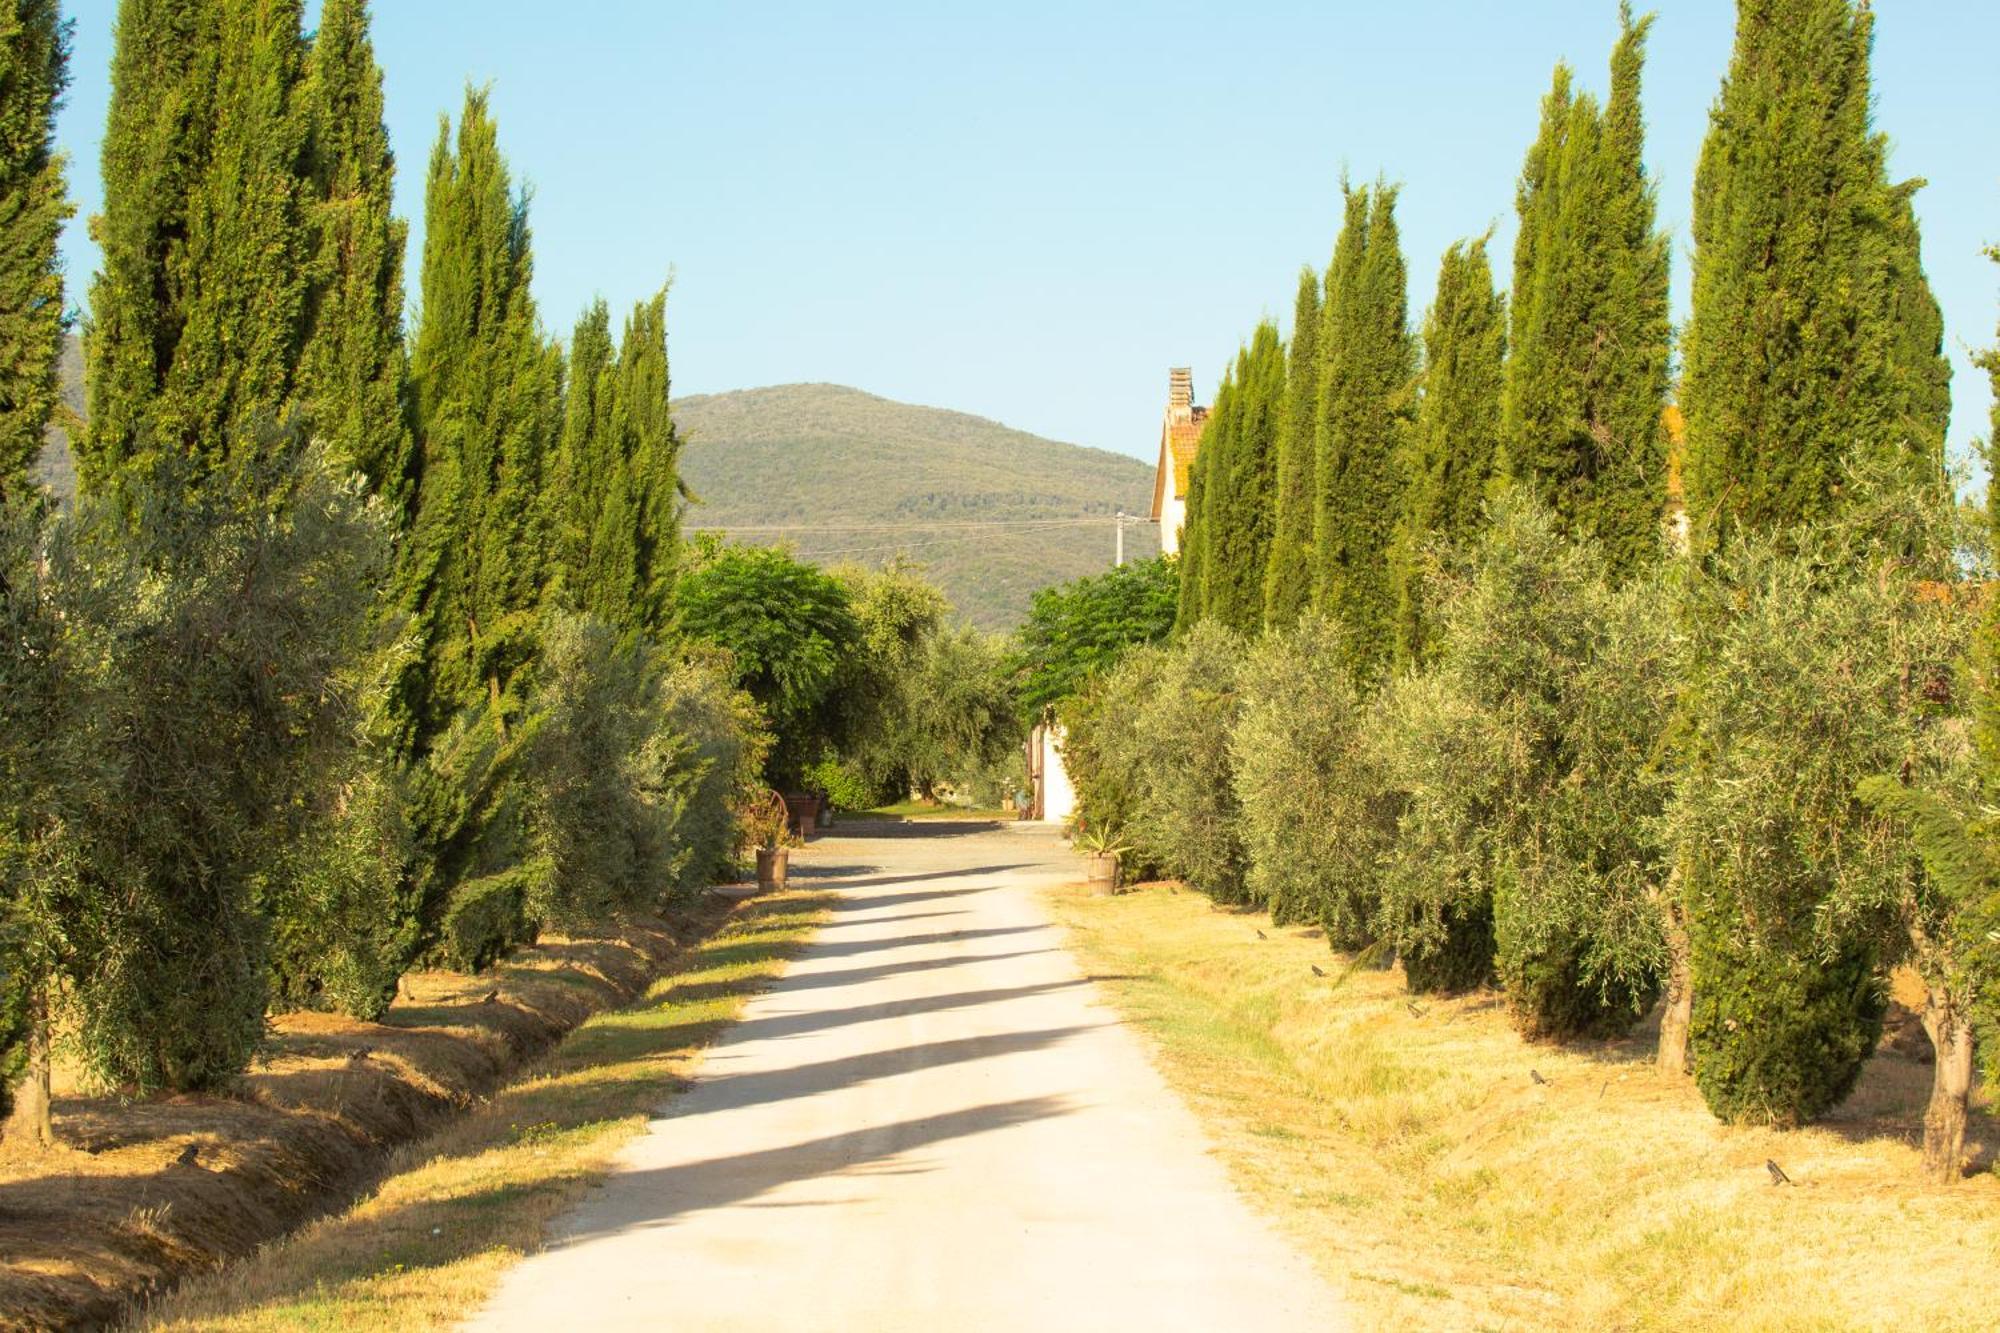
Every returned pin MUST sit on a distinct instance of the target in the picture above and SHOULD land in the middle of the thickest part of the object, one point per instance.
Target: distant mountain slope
(56, 468)
(991, 513)
(918, 481)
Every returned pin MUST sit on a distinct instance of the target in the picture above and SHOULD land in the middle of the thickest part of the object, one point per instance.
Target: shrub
(1317, 812)
(1439, 759)
(1188, 815)
(231, 659)
(1798, 695)
(1103, 752)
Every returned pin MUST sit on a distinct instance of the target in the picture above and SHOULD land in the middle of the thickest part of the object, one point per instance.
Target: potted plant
(1101, 857)
(767, 826)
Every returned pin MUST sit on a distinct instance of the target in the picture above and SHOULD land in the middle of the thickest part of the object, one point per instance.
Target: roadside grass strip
(427, 1246)
(1404, 1144)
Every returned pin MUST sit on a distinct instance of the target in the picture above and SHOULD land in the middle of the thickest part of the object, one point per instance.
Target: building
(1051, 797)
(1180, 436)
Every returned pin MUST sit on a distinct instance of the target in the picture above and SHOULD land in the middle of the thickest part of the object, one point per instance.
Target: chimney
(1180, 394)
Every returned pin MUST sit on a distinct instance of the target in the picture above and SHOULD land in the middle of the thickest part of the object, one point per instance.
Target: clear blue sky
(1031, 210)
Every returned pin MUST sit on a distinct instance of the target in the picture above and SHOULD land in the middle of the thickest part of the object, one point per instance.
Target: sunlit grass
(1410, 1153)
(426, 1248)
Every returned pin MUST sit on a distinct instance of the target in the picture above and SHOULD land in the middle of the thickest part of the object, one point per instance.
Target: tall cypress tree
(588, 458)
(1456, 436)
(1368, 363)
(1587, 380)
(354, 377)
(1801, 354)
(653, 449)
(487, 392)
(1240, 504)
(1288, 581)
(34, 203)
(198, 317)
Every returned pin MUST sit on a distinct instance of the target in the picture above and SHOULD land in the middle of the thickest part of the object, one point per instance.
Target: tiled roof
(1184, 438)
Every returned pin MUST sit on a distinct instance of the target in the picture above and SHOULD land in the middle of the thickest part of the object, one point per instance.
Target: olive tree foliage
(1189, 818)
(631, 762)
(1812, 660)
(1103, 748)
(57, 764)
(960, 726)
(1317, 812)
(1575, 683)
(237, 611)
(1524, 759)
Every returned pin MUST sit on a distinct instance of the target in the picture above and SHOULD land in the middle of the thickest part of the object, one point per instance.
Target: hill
(840, 475)
(992, 513)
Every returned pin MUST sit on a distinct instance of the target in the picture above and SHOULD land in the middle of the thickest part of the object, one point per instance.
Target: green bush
(1799, 693)
(1103, 753)
(1188, 816)
(1439, 759)
(1317, 812)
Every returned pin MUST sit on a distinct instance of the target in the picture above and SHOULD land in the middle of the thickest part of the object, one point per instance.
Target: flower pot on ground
(773, 864)
(1102, 853)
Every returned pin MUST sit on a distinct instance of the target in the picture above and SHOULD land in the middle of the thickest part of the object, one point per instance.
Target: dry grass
(1412, 1154)
(426, 1247)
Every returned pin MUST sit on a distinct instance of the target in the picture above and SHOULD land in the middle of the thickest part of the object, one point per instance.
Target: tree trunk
(35, 1112)
(1950, 1031)
(1672, 1058)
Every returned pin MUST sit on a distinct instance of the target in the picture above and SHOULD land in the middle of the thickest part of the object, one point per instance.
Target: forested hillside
(910, 479)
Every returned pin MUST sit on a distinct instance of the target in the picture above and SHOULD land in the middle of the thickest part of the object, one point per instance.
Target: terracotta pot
(772, 865)
(1100, 871)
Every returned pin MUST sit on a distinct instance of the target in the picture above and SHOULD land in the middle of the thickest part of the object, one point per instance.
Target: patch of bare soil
(140, 1193)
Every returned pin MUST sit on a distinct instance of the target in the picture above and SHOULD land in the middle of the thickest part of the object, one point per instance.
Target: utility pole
(1120, 561)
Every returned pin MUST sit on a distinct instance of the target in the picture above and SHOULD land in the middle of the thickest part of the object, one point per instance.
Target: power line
(938, 526)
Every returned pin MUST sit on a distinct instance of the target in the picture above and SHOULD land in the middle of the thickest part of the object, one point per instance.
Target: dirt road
(931, 1123)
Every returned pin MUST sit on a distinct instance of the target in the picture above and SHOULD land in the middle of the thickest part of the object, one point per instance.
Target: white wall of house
(1173, 513)
(1057, 798)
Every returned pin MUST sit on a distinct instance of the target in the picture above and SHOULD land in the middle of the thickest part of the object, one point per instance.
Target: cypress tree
(198, 317)
(354, 374)
(1367, 364)
(1805, 348)
(588, 458)
(1288, 582)
(487, 393)
(1241, 501)
(34, 202)
(653, 449)
(1588, 376)
(1456, 436)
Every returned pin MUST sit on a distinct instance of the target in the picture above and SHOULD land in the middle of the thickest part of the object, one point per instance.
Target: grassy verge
(1406, 1146)
(427, 1246)
(918, 810)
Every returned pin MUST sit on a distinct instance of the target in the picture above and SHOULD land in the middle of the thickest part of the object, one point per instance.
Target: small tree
(1104, 747)
(1317, 812)
(1802, 687)
(240, 609)
(1188, 813)
(789, 628)
(1078, 629)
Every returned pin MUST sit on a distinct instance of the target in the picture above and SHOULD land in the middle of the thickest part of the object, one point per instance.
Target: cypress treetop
(1288, 581)
(354, 376)
(1808, 345)
(34, 203)
(1587, 378)
(1368, 363)
(1456, 435)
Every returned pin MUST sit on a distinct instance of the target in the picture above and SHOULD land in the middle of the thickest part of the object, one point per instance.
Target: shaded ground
(114, 1213)
(929, 1123)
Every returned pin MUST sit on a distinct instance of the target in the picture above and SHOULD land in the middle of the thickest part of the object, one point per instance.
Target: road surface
(931, 1123)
